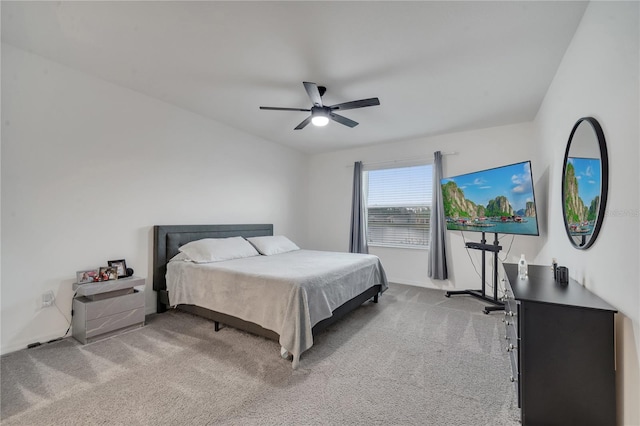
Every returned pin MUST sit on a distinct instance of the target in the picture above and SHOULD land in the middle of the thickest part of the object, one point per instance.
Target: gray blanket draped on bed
(287, 293)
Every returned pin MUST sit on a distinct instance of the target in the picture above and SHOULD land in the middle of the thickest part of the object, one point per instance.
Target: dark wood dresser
(560, 338)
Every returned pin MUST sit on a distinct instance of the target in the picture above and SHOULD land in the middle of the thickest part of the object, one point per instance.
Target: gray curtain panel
(358, 237)
(437, 248)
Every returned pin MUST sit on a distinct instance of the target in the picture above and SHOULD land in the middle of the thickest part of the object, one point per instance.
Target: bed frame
(167, 239)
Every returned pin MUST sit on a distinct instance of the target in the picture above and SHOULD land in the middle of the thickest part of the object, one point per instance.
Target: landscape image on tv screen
(499, 200)
(581, 194)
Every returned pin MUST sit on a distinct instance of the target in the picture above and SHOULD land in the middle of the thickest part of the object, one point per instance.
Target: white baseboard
(409, 282)
(23, 344)
(422, 284)
(446, 285)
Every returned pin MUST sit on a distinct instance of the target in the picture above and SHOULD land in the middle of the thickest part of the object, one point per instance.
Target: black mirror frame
(604, 187)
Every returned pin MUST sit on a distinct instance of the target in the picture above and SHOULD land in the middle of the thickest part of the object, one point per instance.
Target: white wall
(330, 187)
(89, 167)
(599, 77)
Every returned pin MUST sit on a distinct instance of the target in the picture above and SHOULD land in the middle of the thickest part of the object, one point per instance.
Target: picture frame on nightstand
(88, 276)
(120, 265)
(108, 273)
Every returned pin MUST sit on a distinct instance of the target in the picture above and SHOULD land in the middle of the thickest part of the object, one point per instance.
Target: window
(399, 206)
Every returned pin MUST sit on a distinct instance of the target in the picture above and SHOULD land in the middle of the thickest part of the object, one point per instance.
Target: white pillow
(217, 249)
(180, 257)
(273, 244)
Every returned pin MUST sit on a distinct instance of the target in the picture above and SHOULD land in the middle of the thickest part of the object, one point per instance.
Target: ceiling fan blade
(303, 124)
(356, 104)
(343, 120)
(285, 109)
(313, 92)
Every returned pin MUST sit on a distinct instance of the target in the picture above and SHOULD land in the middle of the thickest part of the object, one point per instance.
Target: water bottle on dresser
(522, 268)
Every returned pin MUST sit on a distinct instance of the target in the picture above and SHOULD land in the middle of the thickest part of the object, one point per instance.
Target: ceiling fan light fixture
(320, 120)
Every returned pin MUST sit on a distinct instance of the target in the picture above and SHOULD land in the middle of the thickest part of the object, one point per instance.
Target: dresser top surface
(540, 287)
(89, 289)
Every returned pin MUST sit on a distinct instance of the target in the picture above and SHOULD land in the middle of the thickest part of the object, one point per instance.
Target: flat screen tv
(499, 200)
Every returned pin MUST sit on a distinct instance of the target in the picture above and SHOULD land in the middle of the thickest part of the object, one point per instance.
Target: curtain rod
(402, 160)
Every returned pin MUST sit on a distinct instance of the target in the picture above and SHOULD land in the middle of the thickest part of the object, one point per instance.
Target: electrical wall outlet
(48, 298)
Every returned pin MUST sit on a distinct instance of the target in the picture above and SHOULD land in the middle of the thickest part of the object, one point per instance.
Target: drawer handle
(511, 347)
(512, 379)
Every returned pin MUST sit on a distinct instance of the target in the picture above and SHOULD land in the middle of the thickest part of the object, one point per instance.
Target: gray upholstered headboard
(167, 239)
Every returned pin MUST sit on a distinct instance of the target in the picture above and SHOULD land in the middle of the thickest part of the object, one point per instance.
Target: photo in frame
(120, 265)
(87, 276)
(107, 273)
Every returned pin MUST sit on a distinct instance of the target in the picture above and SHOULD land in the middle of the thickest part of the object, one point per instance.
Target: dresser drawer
(515, 373)
(114, 305)
(512, 344)
(117, 321)
(513, 359)
(510, 305)
(511, 333)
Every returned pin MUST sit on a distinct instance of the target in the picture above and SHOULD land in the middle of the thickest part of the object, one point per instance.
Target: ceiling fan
(320, 114)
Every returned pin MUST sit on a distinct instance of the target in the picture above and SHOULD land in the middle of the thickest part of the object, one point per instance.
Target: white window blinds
(399, 206)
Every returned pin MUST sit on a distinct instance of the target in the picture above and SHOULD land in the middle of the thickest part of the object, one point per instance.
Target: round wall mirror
(585, 180)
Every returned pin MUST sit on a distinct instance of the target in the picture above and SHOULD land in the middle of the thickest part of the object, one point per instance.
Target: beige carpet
(414, 358)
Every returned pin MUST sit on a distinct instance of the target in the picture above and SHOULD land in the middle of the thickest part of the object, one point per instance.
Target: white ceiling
(437, 67)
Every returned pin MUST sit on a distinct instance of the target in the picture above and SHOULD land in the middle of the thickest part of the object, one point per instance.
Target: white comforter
(287, 293)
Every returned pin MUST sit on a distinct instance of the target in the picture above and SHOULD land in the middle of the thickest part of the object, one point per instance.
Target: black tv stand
(497, 305)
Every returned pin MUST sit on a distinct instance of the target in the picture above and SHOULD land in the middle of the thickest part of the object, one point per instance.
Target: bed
(288, 297)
